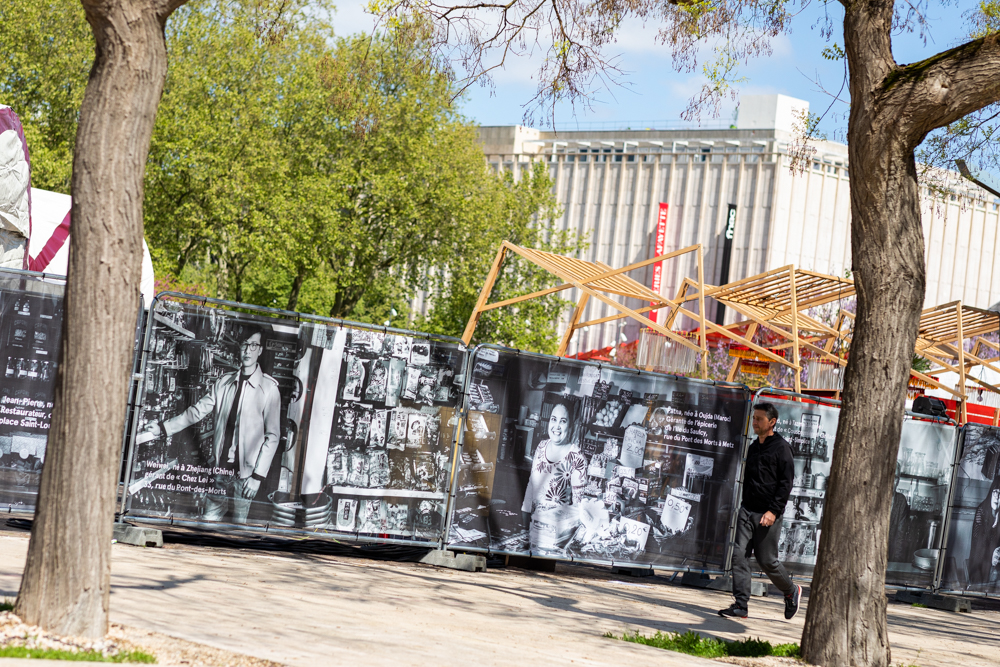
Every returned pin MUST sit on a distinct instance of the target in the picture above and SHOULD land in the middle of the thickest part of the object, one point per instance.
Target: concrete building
(613, 185)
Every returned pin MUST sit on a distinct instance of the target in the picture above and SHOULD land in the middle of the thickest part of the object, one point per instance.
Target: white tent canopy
(48, 247)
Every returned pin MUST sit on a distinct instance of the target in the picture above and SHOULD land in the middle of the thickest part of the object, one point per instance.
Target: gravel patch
(122, 638)
(766, 661)
(173, 651)
(13, 632)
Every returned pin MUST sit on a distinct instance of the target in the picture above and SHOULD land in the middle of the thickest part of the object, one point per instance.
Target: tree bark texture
(65, 587)
(892, 110)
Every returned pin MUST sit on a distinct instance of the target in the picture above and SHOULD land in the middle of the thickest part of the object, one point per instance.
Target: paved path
(323, 610)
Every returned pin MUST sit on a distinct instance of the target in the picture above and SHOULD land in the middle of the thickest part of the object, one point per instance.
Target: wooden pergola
(598, 281)
(777, 300)
(941, 341)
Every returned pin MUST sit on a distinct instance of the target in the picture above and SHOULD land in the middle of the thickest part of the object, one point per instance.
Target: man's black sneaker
(792, 602)
(733, 611)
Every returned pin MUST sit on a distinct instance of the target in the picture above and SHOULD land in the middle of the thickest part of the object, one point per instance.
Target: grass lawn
(79, 656)
(694, 644)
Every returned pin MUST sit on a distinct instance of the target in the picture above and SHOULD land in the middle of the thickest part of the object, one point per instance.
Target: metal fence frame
(565, 360)
(946, 525)
(39, 275)
(267, 528)
(137, 386)
(768, 391)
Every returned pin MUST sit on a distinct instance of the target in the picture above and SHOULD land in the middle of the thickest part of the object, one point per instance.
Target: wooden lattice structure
(941, 341)
(598, 281)
(777, 300)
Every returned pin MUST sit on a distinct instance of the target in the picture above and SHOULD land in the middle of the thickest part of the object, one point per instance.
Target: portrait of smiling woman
(558, 475)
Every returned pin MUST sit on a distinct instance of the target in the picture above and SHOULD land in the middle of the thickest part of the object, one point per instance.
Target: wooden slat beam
(577, 312)
(701, 314)
(484, 295)
(518, 299)
(600, 297)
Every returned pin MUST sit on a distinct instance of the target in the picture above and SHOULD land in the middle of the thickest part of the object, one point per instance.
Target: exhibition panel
(920, 499)
(31, 310)
(572, 460)
(972, 556)
(251, 417)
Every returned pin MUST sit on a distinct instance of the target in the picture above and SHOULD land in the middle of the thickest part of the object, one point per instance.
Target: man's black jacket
(767, 482)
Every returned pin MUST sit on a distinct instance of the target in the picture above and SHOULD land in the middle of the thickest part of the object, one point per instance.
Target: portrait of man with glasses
(246, 406)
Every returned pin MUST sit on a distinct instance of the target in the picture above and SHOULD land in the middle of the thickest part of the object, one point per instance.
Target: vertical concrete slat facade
(610, 185)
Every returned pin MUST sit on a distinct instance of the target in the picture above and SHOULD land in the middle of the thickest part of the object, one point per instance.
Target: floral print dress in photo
(559, 483)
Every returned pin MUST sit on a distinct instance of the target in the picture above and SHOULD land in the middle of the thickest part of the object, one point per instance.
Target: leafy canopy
(293, 168)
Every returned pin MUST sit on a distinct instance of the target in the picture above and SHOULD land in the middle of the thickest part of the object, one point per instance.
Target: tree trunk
(65, 587)
(892, 110)
(293, 297)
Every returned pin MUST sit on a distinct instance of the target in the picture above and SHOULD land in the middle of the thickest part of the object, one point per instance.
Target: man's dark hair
(248, 330)
(768, 409)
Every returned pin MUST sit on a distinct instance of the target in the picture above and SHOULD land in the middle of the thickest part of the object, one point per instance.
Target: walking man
(767, 483)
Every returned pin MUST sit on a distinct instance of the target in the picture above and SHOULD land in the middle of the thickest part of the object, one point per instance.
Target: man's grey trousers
(762, 542)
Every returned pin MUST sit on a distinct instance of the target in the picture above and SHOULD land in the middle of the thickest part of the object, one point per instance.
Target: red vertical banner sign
(661, 242)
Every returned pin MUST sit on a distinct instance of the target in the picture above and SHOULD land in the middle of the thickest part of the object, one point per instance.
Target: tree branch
(944, 88)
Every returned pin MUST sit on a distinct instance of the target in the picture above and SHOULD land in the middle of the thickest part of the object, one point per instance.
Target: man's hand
(150, 433)
(250, 488)
(996, 556)
(767, 519)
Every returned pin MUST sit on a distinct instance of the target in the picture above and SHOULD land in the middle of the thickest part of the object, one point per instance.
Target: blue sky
(653, 91)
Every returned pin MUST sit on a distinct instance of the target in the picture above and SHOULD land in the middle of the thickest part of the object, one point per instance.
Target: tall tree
(290, 167)
(524, 213)
(47, 49)
(66, 582)
(893, 109)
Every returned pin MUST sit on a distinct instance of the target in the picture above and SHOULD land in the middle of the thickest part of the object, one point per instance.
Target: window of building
(631, 158)
(571, 158)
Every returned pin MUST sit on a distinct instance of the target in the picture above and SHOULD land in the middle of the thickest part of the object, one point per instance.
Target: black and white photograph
(972, 559)
(215, 429)
(257, 420)
(920, 501)
(563, 458)
(30, 328)
(810, 429)
(920, 496)
(376, 449)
